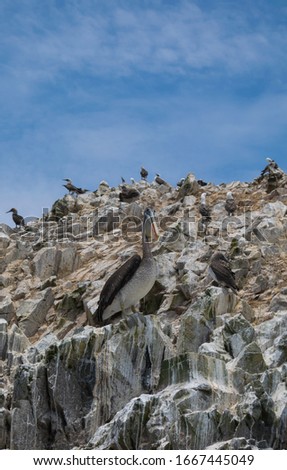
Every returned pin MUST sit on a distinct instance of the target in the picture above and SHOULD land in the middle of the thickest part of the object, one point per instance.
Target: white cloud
(121, 41)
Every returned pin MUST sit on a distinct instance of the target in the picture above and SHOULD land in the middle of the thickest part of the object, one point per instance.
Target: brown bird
(143, 173)
(72, 188)
(18, 219)
(159, 180)
(219, 270)
(133, 280)
(128, 194)
(230, 204)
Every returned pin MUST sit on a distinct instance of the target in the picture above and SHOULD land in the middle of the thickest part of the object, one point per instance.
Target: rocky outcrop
(196, 367)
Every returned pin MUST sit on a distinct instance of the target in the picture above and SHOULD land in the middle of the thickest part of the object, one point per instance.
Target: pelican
(204, 209)
(73, 189)
(18, 219)
(220, 271)
(230, 204)
(143, 173)
(133, 280)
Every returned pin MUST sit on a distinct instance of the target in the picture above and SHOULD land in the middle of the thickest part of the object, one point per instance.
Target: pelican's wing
(114, 284)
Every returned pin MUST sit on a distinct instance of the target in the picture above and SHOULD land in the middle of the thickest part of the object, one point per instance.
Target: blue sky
(93, 89)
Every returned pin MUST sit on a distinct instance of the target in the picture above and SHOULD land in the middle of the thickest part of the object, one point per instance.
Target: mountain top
(194, 357)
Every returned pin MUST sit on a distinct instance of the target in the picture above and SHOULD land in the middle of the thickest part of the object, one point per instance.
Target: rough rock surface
(195, 367)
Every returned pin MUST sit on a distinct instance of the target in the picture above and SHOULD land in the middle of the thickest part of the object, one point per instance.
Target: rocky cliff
(195, 367)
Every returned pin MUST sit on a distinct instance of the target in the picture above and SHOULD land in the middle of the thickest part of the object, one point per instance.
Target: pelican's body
(132, 281)
(220, 271)
(135, 289)
(17, 218)
(230, 204)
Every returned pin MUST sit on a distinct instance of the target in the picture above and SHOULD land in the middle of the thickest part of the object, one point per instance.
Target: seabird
(271, 163)
(123, 180)
(143, 173)
(230, 204)
(133, 181)
(204, 209)
(271, 170)
(180, 182)
(202, 183)
(73, 189)
(128, 194)
(159, 180)
(133, 280)
(18, 219)
(220, 271)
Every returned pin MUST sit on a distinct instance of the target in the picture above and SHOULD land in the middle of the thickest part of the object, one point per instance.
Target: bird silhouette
(17, 218)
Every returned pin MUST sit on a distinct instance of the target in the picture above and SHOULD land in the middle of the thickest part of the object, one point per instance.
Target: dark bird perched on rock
(73, 189)
(219, 270)
(230, 204)
(18, 219)
(204, 209)
(180, 182)
(143, 173)
(128, 194)
(272, 174)
(159, 180)
(133, 280)
(123, 180)
(271, 163)
(202, 183)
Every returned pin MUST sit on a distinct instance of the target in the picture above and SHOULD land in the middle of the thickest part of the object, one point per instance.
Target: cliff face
(197, 366)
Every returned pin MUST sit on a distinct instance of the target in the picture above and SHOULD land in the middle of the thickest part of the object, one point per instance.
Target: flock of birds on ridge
(132, 281)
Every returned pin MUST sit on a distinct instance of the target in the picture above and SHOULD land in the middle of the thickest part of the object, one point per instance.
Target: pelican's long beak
(152, 233)
(154, 230)
(150, 228)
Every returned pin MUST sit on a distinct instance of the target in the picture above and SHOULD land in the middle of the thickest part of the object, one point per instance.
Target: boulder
(45, 262)
(7, 309)
(31, 313)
